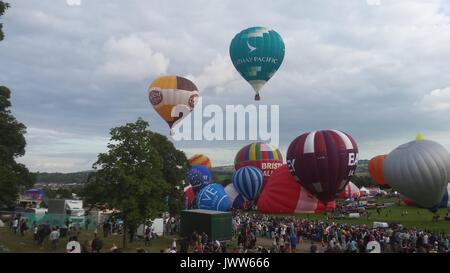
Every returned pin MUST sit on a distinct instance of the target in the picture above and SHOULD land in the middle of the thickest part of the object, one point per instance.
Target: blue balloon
(213, 197)
(239, 202)
(198, 177)
(248, 181)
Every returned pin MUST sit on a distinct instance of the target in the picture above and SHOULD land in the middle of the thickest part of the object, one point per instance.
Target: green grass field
(416, 218)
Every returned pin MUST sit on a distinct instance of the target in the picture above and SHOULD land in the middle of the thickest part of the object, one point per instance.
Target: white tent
(363, 189)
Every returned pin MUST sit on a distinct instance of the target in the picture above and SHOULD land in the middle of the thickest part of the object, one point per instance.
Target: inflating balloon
(198, 177)
(265, 157)
(419, 170)
(445, 203)
(201, 160)
(375, 168)
(236, 199)
(323, 162)
(283, 194)
(350, 191)
(188, 197)
(174, 98)
(213, 197)
(248, 181)
(257, 53)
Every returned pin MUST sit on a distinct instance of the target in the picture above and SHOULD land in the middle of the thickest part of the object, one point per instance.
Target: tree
(3, 7)
(14, 177)
(131, 176)
(175, 165)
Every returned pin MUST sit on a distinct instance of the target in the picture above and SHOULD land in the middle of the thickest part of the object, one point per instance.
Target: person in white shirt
(15, 225)
(54, 238)
(73, 247)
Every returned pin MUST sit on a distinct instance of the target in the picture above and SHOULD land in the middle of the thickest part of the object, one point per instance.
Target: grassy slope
(18, 244)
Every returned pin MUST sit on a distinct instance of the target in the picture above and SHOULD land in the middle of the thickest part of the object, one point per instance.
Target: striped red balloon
(284, 195)
(323, 162)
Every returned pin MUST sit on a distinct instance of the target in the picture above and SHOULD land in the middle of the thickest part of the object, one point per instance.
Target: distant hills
(221, 173)
(62, 178)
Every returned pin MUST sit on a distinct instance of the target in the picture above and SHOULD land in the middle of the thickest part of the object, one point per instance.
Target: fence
(61, 220)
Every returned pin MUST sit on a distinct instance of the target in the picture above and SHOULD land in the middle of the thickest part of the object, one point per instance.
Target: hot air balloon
(174, 98)
(248, 181)
(188, 197)
(236, 199)
(257, 53)
(375, 167)
(323, 162)
(420, 170)
(350, 191)
(265, 157)
(445, 203)
(202, 160)
(283, 194)
(213, 197)
(198, 177)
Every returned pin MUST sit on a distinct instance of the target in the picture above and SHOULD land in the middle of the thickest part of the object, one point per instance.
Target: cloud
(216, 74)
(436, 100)
(365, 67)
(131, 59)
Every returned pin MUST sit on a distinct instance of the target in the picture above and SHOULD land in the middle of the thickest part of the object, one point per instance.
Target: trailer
(217, 225)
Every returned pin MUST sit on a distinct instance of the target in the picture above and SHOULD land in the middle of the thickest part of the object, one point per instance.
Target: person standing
(23, 226)
(148, 236)
(293, 240)
(97, 244)
(54, 238)
(15, 225)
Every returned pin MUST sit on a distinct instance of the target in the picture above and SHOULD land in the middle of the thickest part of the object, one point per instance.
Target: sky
(376, 69)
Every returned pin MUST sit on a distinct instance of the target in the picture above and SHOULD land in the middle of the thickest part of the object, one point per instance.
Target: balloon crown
(420, 137)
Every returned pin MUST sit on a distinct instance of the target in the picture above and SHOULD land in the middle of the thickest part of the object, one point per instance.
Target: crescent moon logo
(252, 48)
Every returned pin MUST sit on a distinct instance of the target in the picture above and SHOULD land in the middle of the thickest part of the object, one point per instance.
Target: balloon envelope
(375, 168)
(350, 191)
(248, 181)
(420, 171)
(198, 177)
(188, 197)
(445, 203)
(173, 98)
(265, 157)
(323, 162)
(213, 197)
(283, 194)
(201, 160)
(236, 199)
(257, 53)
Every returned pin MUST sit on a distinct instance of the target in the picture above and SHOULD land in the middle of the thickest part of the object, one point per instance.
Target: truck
(216, 224)
(66, 209)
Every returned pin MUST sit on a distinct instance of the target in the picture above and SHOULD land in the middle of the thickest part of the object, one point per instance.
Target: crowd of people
(287, 232)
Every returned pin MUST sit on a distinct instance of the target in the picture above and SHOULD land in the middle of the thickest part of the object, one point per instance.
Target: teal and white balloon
(257, 53)
(420, 170)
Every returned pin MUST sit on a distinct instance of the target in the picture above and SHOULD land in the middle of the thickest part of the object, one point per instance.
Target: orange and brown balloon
(202, 160)
(376, 170)
(174, 98)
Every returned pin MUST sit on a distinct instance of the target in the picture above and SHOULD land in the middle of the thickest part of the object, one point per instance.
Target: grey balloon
(420, 170)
